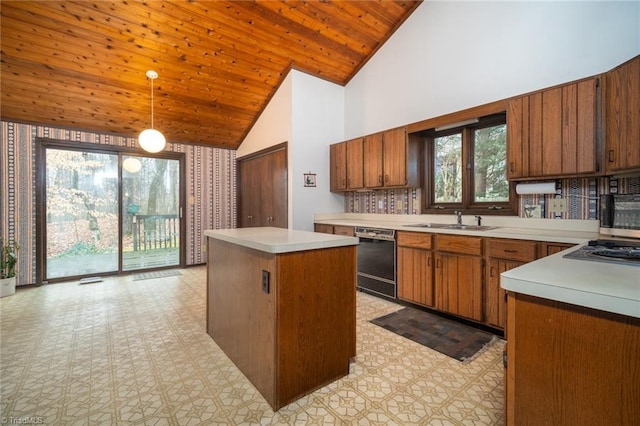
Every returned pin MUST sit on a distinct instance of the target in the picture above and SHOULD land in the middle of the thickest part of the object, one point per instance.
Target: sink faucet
(479, 219)
(459, 217)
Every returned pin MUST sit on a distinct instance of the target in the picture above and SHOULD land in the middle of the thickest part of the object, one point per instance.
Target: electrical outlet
(400, 205)
(265, 281)
(557, 205)
(204, 247)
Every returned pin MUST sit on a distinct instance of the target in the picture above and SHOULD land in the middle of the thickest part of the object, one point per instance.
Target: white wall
(308, 113)
(274, 124)
(450, 56)
(446, 57)
(318, 120)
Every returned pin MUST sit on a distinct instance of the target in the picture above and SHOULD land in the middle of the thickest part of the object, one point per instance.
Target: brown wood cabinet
(458, 275)
(386, 159)
(503, 254)
(569, 365)
(547, 249)
(334, 229)
(415, 268)
(296, 335)
(338, 166)
(554, 132)
(622, 117)
(262, 189)
(355, 176)
(346, 165)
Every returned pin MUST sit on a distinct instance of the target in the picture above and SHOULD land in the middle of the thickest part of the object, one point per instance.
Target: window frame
(468, 205)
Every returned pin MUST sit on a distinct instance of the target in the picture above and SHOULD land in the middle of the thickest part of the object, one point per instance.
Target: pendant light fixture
(152, 140)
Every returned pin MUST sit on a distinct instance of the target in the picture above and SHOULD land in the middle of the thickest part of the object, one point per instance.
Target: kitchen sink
(453, 226)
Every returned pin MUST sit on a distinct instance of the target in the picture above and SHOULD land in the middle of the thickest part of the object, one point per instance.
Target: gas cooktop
(610, 251)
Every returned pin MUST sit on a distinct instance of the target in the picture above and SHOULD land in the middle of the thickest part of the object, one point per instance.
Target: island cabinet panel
(554, 132)
(233, 305)
(293, 336)
(415, 268)
(315, 327)
(622, 117)
(570, 365)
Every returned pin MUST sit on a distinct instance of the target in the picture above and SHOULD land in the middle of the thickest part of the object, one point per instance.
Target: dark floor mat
(448, 337)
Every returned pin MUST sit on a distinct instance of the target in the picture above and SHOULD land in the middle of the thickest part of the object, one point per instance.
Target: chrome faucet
(459, 217)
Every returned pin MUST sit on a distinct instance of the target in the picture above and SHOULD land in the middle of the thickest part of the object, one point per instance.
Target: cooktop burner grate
(609, 251)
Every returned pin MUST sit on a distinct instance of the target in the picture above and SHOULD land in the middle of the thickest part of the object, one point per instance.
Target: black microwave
(620, 215)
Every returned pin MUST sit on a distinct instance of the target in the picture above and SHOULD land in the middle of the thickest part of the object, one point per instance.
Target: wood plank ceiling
(82, 65)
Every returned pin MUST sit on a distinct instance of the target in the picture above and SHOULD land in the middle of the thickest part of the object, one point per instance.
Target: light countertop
(598, 285)
(548, 230)
(604, 286)
(279, 240)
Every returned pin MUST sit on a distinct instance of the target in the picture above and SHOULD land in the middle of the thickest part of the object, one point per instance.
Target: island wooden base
(297, 337)
(569, 365)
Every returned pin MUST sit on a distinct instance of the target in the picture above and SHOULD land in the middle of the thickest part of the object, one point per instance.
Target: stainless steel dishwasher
(377, 261)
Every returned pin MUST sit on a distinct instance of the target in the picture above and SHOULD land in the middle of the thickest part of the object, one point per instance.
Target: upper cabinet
(389, 159)
(346, 165)
(554, 132)
(622, 117)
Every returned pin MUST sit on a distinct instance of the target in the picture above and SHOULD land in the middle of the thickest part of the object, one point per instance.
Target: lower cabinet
(415, 268)
(503, 255)
(334, 229)
(458, 276)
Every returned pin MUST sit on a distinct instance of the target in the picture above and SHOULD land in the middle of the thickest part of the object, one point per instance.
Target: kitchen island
(573, 339)
(281, 304)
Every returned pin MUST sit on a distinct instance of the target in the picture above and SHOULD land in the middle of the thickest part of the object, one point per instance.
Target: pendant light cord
(151, 102)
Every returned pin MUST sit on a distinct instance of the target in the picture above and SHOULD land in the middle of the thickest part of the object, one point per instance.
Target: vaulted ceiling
(79, 64)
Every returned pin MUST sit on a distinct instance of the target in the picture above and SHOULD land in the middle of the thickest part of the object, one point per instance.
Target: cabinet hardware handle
(386, 178)
(491, 272)
(437, 263)
(510, 251)
(611, 155)
(511, 168)
(379, 178)
(249, 217)
(429, 261)
(270, 219)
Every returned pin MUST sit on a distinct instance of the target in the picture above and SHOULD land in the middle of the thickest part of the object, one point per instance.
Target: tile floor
(136, 352)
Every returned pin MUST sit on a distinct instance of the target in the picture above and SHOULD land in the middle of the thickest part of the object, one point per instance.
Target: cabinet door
(459, 285)
(622, 115)
(415, 275)
(323, 228)
(395, 157)
(354, 166)
(579, 121)
(495, 301)
(518, 137)
(373, 174)
(338, 165)
(553, 133)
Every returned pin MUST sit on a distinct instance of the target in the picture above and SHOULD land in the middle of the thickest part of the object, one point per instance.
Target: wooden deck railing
(155, 231)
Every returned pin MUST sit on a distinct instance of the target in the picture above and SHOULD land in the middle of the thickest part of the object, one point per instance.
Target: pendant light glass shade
(152, 140)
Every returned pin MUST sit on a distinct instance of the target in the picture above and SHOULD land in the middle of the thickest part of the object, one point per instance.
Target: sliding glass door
(108, 212)
(150, 212)
(81, 213)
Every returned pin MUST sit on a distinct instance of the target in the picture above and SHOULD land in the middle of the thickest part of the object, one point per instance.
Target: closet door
(262, 189)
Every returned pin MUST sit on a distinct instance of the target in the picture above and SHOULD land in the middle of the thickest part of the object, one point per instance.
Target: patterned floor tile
(136, 352)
